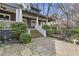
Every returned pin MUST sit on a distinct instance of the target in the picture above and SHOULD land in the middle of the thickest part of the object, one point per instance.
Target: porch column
(41, 24)
(46, 21)
(18, 15)
(37, 21)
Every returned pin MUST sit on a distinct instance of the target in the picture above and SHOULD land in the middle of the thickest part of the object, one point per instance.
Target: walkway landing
(43, 46)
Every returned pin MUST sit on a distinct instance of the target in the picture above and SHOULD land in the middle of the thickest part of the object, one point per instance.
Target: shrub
(72, 33)
(49, 29)
(0, 38)
(1, 26)
(25, 38)
(50, 32)
(46, 27)
(75, 30)
(18, 28)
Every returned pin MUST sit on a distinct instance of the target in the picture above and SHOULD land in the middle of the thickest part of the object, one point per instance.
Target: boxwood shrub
(1, 26)
(50, 32)
(46, 27)
(25, 38)
(72, 33)
(18, 28)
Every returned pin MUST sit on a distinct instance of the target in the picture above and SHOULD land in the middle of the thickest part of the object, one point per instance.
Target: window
(4, 16)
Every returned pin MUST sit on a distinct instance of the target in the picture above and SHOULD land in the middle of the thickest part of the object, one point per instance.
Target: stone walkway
(43, 46)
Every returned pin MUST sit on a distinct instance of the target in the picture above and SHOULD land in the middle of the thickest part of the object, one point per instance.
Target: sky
(53, 8)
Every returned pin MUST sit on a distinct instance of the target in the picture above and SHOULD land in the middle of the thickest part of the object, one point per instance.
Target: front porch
(29, 19)
(32, 20)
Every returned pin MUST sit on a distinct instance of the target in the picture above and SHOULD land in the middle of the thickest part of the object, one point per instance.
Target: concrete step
(35, 34)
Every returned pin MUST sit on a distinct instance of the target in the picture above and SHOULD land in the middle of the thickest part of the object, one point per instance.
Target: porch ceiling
(29, 15)
(34, 15)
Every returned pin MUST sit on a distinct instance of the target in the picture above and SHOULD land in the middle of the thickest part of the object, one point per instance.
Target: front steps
(35, 33)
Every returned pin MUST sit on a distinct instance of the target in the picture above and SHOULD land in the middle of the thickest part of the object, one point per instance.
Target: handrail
(29, 32)
(41, 30)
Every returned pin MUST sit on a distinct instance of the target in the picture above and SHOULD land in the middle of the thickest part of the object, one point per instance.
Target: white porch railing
(41, 30)
(29, 31)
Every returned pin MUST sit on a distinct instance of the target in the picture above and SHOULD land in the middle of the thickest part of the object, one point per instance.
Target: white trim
(37, 21)
(41, 30)
(41, 24)
(18, 15)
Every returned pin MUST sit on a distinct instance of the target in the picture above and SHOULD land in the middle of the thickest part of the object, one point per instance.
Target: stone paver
(41, 49)
(1, 50)
(46, 53)
(35, 53)
(26, 52)
(12, 50)
(43, 46)
(40, 45)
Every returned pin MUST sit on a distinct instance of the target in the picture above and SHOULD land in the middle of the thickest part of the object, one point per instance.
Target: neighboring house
(13, 12)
